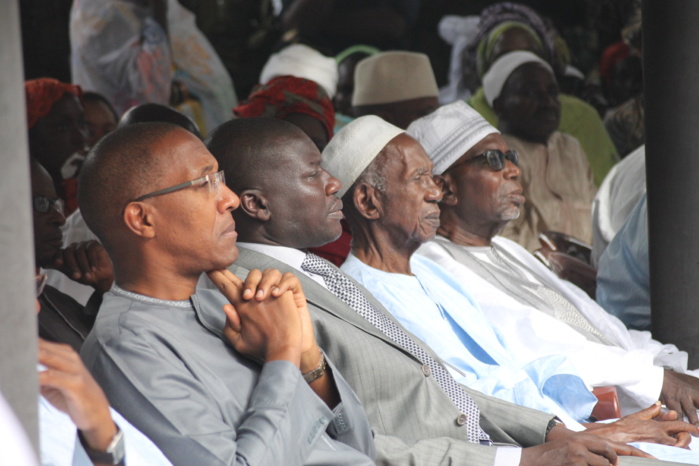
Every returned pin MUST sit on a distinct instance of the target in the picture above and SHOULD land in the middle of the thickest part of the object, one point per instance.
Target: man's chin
(226, 260)
(511, 214)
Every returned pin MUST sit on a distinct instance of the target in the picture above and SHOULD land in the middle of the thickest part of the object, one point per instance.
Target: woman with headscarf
(506, 27)
(57, 133)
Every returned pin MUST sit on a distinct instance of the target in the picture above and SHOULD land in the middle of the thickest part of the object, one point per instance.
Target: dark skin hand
(565, 447)
(87, 263)
(67, 384)
(648, 425)
(268, 320)
(680, 393)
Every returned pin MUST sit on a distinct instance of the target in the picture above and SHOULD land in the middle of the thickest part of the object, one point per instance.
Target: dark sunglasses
(496, 158)
(44, 204)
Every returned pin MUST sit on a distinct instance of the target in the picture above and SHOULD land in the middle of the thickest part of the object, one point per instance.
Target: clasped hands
(267, 318)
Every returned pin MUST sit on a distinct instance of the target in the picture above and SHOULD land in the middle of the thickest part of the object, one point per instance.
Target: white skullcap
(390, 77)
(503, 67)
(448, 132)
(303, 62)
(355, 146)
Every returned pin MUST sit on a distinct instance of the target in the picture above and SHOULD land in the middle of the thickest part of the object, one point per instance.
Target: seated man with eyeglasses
(63, 319)
(538, 313)
(212, 377)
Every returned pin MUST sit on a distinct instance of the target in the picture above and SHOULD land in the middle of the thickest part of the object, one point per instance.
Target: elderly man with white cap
(537, 312)
(397, 86)
(556, 176)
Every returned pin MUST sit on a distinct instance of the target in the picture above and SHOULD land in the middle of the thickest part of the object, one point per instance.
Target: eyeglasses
(40, 283)
(44, 204)
(214, 180)
(496, 158)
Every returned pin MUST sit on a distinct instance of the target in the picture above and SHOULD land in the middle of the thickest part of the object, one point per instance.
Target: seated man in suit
(61, 318)
(519, 295)
(419, 413)
(246, 386)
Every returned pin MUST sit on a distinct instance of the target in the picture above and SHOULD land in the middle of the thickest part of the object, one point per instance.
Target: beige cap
(355, 146)
(390, 77)
(448, 132)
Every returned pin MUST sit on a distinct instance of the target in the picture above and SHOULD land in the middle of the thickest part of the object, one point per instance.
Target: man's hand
(87, 263)
(263, 318)
(648, 425)
(680, 393)
(578, 448)
(68, 386)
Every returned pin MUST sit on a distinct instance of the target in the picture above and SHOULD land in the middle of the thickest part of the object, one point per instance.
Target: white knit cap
(303, 62)
(503, 67)
(448, 132)
(355, 146)
(390, 77)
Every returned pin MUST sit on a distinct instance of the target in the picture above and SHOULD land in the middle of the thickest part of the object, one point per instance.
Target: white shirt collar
(290, 256)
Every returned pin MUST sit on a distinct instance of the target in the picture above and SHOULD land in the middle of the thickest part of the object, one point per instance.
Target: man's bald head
(286, 197)
(246, 149)
(120, 168)
(151, 113)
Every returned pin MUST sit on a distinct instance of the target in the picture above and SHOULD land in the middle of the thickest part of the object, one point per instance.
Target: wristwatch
(317, 372)
(114, 454)
(552, 423)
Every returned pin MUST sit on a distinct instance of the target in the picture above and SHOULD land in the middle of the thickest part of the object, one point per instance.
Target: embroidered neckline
(147, 299)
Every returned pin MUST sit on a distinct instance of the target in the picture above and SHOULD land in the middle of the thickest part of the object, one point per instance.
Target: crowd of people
(349, 265)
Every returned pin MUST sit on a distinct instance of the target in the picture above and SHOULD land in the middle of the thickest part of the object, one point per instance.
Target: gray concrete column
(671, 73)
(18, 330)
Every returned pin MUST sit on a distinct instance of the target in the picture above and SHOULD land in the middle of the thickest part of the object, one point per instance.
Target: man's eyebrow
(205, 170)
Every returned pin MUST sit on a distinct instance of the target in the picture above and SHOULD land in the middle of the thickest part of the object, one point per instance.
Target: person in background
(507, 26)
(57, 133)
(61, 318)
(299, 101)
(397, 86)
(556, 177)
(100, 117)
(346, 63)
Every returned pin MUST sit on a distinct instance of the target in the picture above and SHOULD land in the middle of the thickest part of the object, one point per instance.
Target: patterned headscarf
(285, 95)
(489, 31)
(42, 94)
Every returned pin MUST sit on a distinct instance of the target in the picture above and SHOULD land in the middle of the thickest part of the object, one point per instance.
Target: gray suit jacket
(414, 421)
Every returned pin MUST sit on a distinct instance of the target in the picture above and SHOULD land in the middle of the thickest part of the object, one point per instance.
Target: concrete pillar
(18, 330)
(671, 73)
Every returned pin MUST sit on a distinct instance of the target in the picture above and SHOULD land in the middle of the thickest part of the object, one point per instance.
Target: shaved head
(246, 149)
(120, 168)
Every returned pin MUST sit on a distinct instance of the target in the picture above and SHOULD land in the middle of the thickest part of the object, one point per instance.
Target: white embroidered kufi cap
(355, 146)
(503, 67)
(390, 77)
(303, 62)
(448, 132)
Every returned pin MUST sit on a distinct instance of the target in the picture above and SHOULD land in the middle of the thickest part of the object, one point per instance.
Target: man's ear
(366, 201)
(139, 218)
(255, 205)
(447, 185)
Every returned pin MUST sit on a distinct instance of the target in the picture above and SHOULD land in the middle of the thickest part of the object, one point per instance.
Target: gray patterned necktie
(343, 288)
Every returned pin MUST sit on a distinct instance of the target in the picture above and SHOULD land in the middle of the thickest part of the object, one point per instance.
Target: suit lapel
(317, 294)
